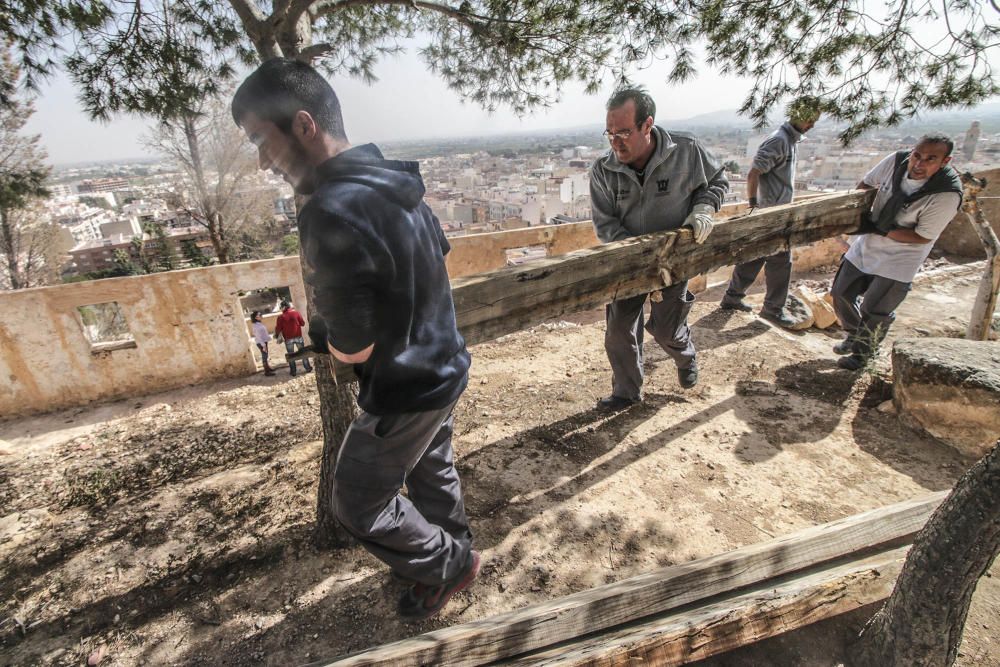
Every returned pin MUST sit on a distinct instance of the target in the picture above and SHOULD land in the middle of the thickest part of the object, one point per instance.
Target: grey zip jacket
(775, 160)
(680, 173)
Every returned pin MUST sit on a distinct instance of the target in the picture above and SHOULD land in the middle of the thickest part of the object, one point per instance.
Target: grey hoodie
(775, 160)
(375, 257)
(680, 173)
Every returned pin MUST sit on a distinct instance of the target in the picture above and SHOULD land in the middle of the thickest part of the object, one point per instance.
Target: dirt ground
(175, 529)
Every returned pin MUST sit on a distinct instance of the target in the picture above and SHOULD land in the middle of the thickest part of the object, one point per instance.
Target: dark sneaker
(852, 363)
(688, 377)
(739, 305)
(421, 601)
(782, 318)
(615, 403)
(845, 346)
(269, 372)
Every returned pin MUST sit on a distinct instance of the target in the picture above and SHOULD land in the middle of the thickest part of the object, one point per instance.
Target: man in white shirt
(918, 195)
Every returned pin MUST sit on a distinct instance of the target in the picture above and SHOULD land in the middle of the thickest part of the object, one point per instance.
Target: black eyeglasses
(620, 134)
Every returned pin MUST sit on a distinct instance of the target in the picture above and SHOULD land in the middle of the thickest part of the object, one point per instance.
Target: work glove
(700, 221)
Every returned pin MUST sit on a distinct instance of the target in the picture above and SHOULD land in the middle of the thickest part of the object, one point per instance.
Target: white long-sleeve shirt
(260, 334)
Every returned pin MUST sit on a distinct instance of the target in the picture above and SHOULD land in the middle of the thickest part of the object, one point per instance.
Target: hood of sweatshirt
(396, 180)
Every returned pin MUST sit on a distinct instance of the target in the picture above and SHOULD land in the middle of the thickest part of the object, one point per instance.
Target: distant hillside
(951, 120)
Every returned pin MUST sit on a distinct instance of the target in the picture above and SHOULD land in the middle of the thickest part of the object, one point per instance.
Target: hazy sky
(406, 103)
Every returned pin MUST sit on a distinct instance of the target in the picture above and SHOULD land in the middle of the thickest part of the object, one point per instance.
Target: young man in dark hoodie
(374, 256)
(918, 195)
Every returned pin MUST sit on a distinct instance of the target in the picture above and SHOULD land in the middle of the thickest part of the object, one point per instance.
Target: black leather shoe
(845, 346)
(782, 319)
(852, 363)
(740, 305)
(688, 377)
(615, 403)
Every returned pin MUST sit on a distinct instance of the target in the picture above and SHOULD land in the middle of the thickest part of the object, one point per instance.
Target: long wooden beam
(727, 623)
(497, 303)
(493, 304)
(598, 609)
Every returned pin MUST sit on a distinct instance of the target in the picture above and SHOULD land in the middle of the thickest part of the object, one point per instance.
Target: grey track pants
(777, 276)
(668, 325)
(424, 537)
(866, 322)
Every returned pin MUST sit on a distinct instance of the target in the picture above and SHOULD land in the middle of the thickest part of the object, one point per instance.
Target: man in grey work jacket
(918, 195)
(771, 182)
(650, 181)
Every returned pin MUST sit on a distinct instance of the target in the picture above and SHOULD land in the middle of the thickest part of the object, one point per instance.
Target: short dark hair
(938, 138)
(645, 107)
(280, 88)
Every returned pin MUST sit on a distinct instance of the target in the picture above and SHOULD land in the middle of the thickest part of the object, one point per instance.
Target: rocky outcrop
(950, 388)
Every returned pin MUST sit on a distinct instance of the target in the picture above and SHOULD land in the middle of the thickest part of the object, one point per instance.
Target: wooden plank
(732, 621)
(565, 618)
(493, 304)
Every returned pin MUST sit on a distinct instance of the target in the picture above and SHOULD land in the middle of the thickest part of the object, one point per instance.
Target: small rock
(196, 578)
(484, 381)
(887, 407)
(96, 656)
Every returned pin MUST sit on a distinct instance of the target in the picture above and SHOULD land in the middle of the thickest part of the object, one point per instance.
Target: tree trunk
(213, 219)
(981, 319)
(10, 250)
(922, 621)
(337, 408)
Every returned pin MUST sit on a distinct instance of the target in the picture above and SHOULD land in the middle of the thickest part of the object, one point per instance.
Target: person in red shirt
(289, 326)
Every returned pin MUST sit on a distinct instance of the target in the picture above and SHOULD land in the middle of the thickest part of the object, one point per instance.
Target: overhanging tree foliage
(867, 65)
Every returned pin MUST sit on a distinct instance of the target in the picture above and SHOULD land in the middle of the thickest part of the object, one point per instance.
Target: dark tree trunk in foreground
(922, 621)
(337, 407)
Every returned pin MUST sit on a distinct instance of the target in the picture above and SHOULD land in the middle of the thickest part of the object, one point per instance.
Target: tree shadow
(775, 412)
(712, 332)
(924, 459)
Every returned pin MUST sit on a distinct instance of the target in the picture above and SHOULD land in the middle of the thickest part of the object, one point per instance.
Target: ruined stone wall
(186, 327)
(960, 238)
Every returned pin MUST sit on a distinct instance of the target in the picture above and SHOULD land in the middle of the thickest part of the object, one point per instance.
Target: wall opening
(268, 301)
(105, 327)
(517, 256)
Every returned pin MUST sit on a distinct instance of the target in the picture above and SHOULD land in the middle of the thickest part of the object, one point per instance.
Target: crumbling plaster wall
(188, 328)
(959, 238)
(188, 325)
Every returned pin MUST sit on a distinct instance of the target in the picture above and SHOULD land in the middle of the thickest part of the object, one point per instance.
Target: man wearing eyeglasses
(650, 181)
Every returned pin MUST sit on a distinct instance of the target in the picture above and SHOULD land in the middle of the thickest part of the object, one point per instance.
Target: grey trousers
(866, 323)
(777, 277)
(424, 537)
(668, 325)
